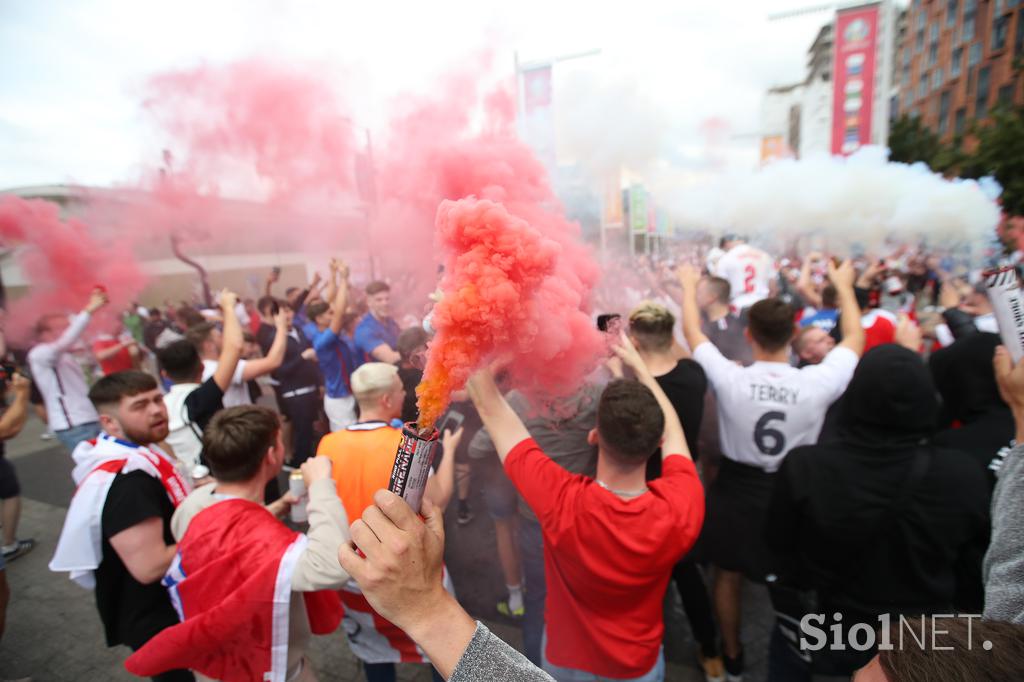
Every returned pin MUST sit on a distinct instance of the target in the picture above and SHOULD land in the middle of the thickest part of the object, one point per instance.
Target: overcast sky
(69, 106)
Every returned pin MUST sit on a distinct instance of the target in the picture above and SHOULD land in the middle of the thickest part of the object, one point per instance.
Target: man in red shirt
(610, 542)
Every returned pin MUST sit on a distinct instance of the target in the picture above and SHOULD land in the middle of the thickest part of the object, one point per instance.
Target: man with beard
(117, 536)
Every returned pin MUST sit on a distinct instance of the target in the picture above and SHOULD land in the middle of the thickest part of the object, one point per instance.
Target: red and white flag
(231, 583)
(97, 462)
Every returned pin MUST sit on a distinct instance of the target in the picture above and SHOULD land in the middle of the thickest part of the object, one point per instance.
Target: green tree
(1000, 153)
(910, 141)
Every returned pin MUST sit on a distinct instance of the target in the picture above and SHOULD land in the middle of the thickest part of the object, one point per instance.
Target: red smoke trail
(281, 130)
(495, 266)
(63, 261)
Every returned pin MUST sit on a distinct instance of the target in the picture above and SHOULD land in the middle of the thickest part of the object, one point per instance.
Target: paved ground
(54, 634)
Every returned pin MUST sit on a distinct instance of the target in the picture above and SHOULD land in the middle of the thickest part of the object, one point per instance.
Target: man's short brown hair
(719, 287)
(375, 287)
(200, 333)
(237, 439)
(651, 325)
(316, 309)
(958, 651)
(630, 422)
(771, 323)
(110, 389)
(409, 340)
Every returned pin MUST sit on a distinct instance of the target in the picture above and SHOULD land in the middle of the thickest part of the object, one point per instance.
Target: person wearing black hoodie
(974, 418)
(878, 521)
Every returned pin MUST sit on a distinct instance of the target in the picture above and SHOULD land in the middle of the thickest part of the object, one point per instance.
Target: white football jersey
(749, 271)
(767, 409)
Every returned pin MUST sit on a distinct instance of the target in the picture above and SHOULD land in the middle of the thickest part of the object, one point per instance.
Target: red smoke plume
(64, 262)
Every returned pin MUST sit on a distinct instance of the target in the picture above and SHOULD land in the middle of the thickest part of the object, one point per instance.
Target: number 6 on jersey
(770, 441)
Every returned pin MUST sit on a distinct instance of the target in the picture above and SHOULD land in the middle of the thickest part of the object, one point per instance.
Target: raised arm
(231, 346)
(502, 423)
(440, 485)
(397, 561)
(316, 286)
(805, 285)
(97, 300)
(674, 440)
(688, 279)
(332, 280)
(340, 298)
(268, 287)
(275, 354)
(842, 278)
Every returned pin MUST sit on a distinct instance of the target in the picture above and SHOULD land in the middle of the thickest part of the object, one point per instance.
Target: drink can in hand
(297, 487)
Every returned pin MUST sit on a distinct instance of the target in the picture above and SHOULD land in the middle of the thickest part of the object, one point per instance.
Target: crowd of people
(844, 433)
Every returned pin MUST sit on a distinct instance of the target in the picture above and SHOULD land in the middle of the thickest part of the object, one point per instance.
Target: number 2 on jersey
(770, 441)
(749, 273)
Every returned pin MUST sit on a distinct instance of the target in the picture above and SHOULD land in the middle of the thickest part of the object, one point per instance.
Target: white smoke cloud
(863, 199)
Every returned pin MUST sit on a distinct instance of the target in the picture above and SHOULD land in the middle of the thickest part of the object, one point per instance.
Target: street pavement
(54, 634)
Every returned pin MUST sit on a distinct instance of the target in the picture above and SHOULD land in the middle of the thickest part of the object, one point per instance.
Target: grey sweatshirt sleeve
(488, 659)
(318, 567)
(1003, 570)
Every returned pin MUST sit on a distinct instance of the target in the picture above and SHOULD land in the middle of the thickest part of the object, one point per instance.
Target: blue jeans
(76, 434)
(655, 674)
(531, 549)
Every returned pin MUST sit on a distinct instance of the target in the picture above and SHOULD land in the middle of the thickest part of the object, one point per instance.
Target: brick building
(956, 62)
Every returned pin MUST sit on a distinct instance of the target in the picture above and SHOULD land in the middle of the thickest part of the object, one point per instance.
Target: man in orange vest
(362, 456)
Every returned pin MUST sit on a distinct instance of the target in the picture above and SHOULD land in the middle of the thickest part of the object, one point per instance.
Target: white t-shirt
(749, 271)
(184, 437)
(767, 409)
(238, 391)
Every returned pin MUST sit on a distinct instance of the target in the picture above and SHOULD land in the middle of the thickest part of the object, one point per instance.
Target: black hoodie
(829, 500)
(974, 419)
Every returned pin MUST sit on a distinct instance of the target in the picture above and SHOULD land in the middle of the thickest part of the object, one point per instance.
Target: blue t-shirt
(337, 362)
(371, 332)
(825, 319)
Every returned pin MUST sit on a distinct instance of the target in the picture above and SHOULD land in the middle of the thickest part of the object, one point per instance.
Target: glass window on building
(937, 79)
(944, 113)
(967, 34)
(956, 62)
(1005, 98)
(922, 18)
(974, 56)
(922, 89)
(933, 34)
(960, 124)
(1018, 39)
(1000, 27)
(952, 8)
(933, 55)
(919, 41)
(981, 99)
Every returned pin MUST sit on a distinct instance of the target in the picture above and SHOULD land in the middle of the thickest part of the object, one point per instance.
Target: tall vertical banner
(854, 78)
(538, 116)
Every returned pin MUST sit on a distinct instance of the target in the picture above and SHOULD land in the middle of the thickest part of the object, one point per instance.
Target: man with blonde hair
(362, 456)
(684, 382)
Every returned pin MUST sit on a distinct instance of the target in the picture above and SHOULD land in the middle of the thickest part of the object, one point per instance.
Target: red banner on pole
(854, 78)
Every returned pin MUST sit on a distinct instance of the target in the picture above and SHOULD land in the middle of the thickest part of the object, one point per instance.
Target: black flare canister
(412, 464)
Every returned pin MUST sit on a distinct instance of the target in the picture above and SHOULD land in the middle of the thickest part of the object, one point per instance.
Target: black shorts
(737, 504)
(8, 480)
